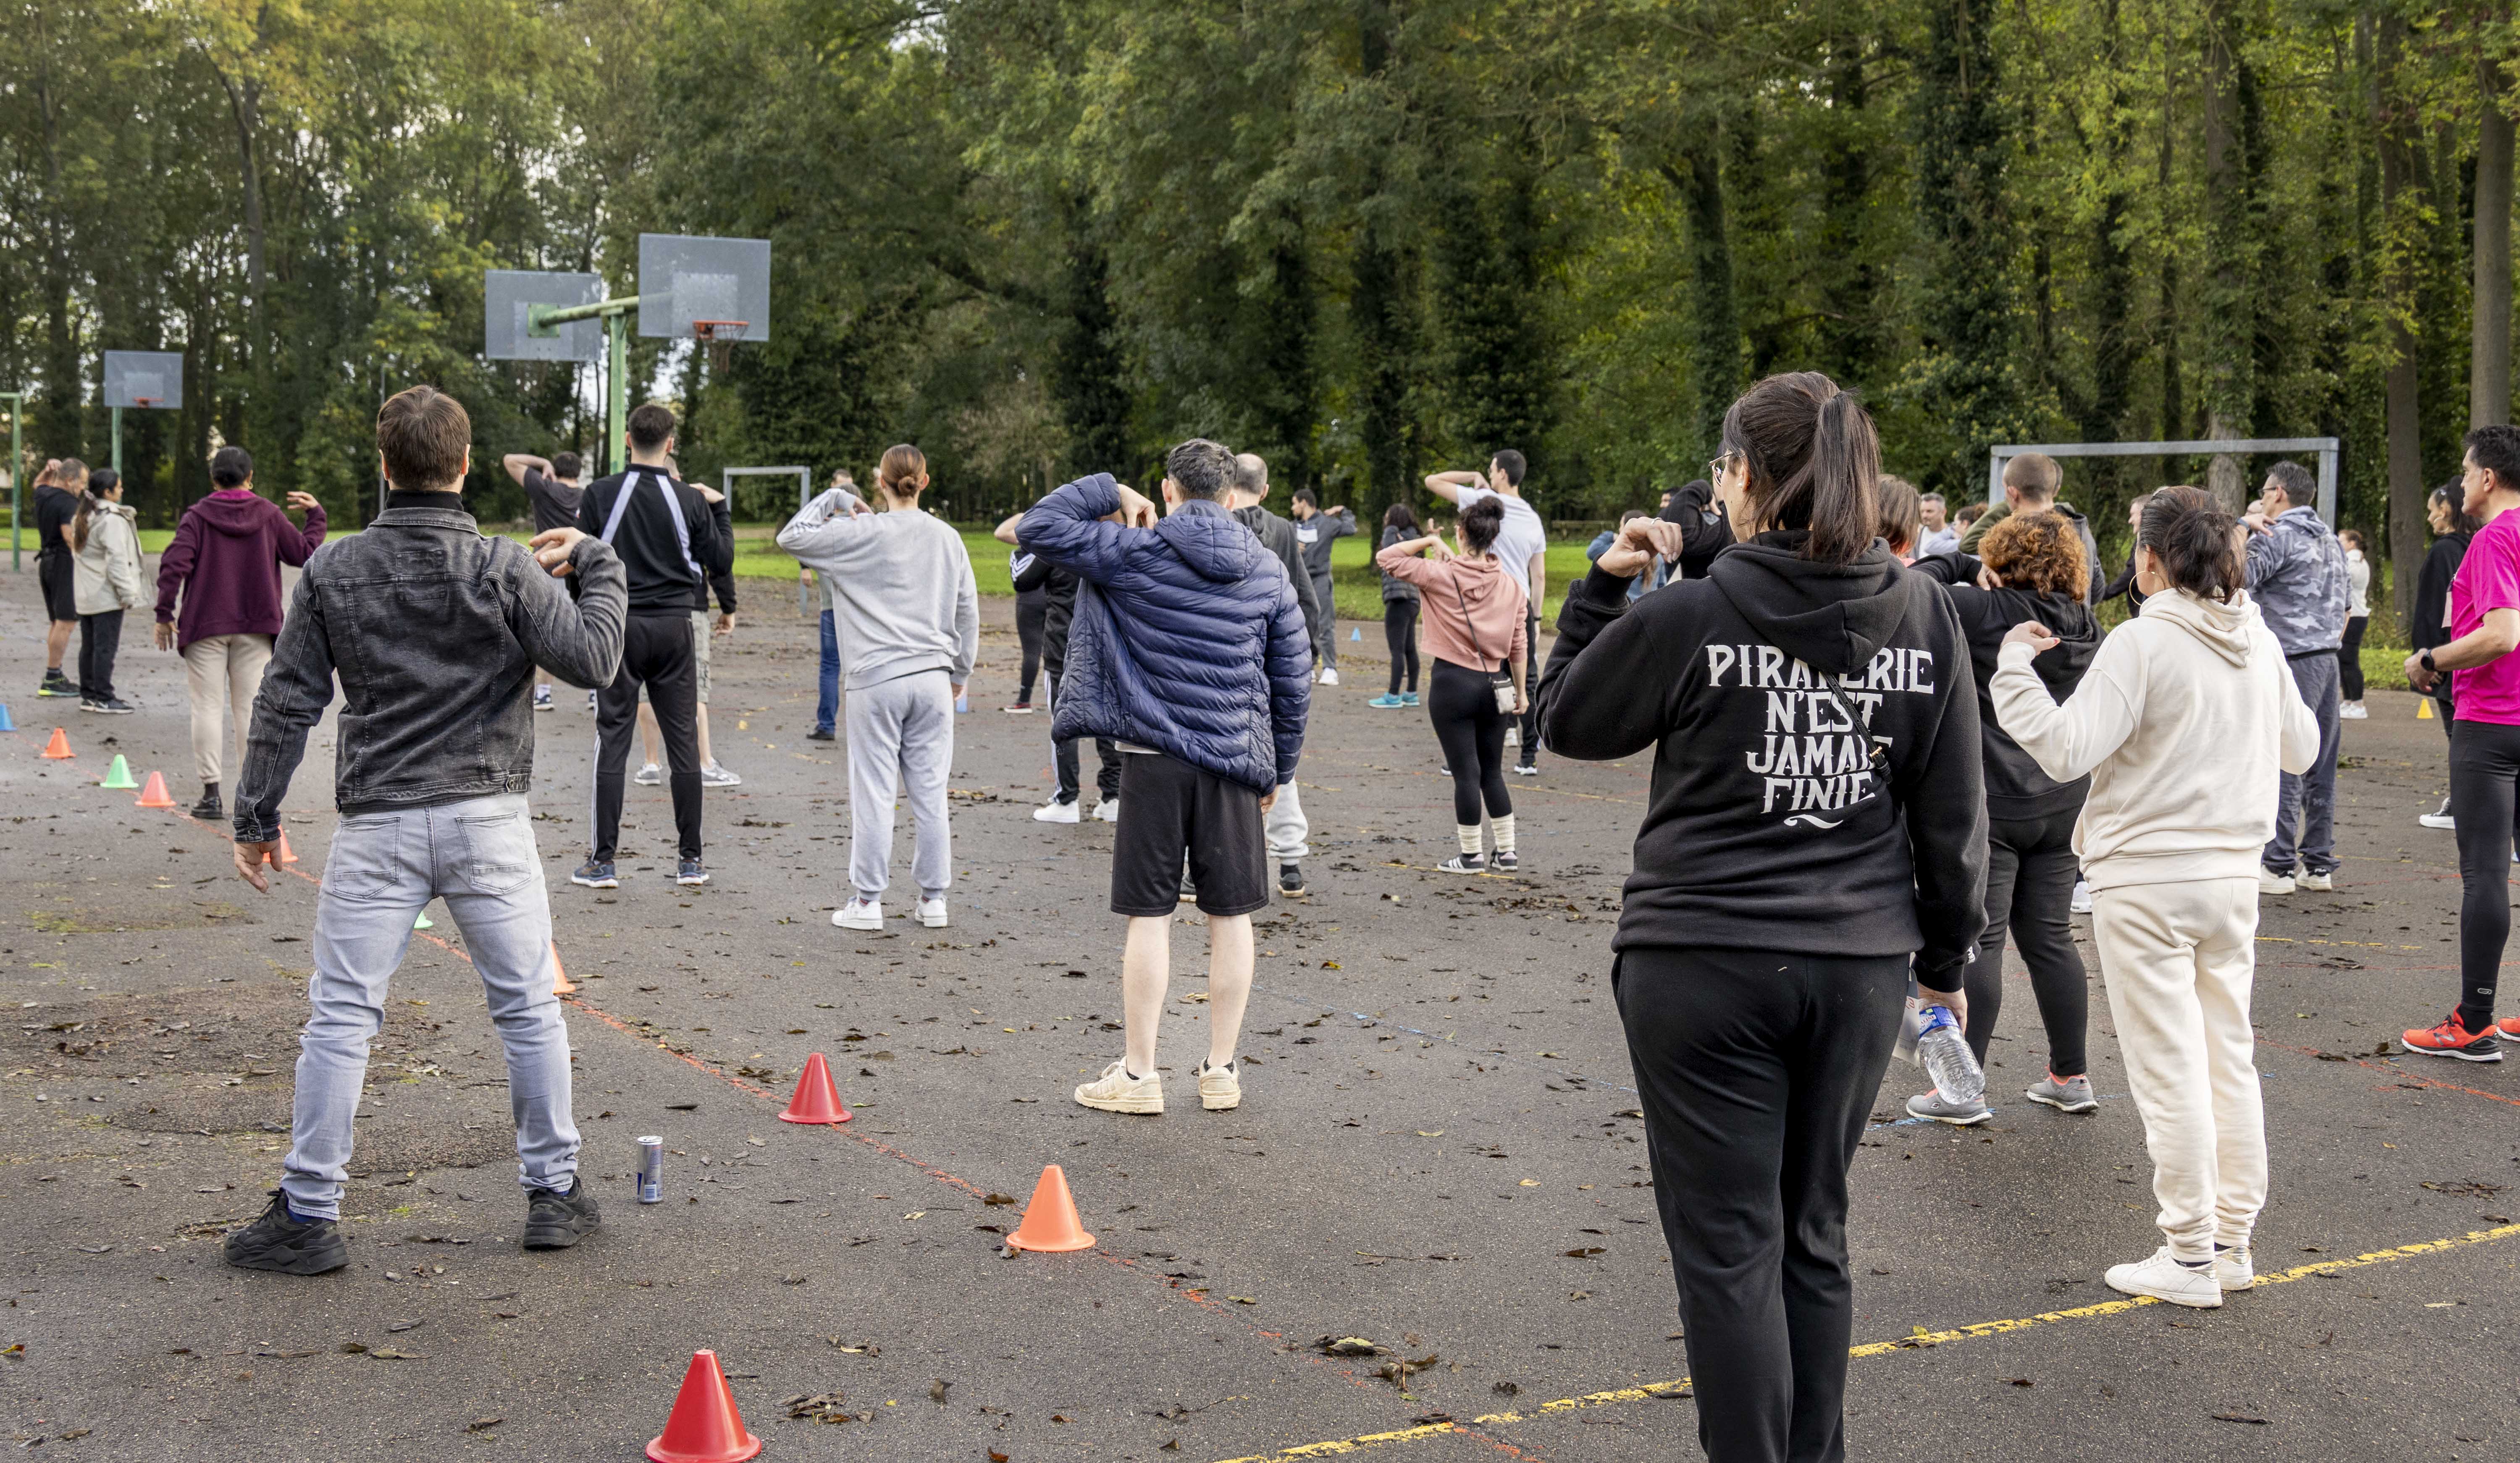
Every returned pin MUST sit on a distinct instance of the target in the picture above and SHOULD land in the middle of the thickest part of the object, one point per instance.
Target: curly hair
(2037, 552)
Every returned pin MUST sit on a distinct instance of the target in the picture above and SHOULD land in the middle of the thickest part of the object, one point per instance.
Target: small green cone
(422, 922)
(119, 776)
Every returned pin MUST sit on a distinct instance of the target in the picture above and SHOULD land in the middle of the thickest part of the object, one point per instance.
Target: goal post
(804, 495)
(2327, 448)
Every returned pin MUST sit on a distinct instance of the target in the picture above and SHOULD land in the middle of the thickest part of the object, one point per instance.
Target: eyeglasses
(1716, 466)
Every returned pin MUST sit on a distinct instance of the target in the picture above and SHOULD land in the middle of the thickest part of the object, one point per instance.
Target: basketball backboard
(685, 280)
(507, 296)
(145, 378)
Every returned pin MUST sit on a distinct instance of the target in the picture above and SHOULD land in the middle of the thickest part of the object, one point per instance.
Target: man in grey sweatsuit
(909, 620)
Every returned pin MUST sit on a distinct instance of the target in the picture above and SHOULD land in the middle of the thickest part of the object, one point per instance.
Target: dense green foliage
(1365, 238)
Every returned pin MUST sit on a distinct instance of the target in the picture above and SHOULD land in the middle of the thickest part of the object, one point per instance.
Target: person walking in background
(106, 539)
(1317, 530)
(1399, 612)
(2185, 720)
(223, 566)
(668, 536)
(552, 487)
(910, 620)
(435, 630)
(1058, 602)
(2429, 630)
(2032, 569)
(1777, 906)
(58, 489)
(1522, 549)
(2358, 618)
(1903, 524)
(2031, 482)
(1032, 611)
(2484, 742)
(827, 684)
(1192, 656)
(1475, 626)
(1289, 830)
(1940, 536)
(2298, 578)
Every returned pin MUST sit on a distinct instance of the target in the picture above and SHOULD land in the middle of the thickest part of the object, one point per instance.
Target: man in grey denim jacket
(2297, 575)
(435, 630)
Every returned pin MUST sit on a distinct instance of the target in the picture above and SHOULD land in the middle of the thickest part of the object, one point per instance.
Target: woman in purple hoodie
(224, 565)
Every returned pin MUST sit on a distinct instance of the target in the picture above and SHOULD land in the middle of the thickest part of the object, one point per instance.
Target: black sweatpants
(1032, 619)
(1757, 1071)
(1062, 754)
(2349, 659)
(2029, 876)
(1472, 731)
(1400, 637)
(100, 637)
(2484, 759)
(1531, 705)
(656, 652)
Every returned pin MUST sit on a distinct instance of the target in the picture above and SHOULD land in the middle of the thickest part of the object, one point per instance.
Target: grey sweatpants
(900, 731)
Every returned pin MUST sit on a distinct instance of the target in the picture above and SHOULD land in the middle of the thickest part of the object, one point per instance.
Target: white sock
(1504, 827)
(1469, 836)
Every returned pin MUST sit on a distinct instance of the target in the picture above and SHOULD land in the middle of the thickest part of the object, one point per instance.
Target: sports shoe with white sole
(931, 913)
(1513, 736)
(691, 872)
(2353, 711)
(542, 698)
(648, 774)
(1058, 812)
(596, 873)
(2082, 901)
(2233, 1270)
(1330, 675)
(2069, 1095)
(714, 776)
(2440, 820)
(859, 915)
(1116, 1091)
(2271, 882)
(1220, 1088)
(1930, 1103)
(2450, 1037)
(2165, 1279)
(1108, 811)
(1464, 863)
(2317, 883)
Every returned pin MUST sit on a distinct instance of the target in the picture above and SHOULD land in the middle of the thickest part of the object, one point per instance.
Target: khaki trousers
(222, 672)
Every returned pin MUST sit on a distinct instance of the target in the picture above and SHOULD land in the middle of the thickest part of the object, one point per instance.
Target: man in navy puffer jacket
(1188, 650)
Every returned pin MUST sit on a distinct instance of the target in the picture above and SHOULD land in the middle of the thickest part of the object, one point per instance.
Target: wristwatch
(2427, 660)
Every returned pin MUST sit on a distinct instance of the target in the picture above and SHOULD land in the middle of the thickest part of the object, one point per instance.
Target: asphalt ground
(1436, 1152)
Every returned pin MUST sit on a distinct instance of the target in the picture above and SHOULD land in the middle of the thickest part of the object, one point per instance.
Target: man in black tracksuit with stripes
(671, 545)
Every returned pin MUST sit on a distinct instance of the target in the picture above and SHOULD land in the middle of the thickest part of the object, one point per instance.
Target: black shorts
(1168, 808)
(59, 581)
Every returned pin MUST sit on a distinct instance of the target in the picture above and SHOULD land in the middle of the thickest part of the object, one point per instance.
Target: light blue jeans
(479, 854)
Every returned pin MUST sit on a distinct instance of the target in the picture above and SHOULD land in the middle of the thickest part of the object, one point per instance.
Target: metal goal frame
(804, 495)
(2327, 449)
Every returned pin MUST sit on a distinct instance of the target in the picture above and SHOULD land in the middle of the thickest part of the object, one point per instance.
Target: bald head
(1250, 479)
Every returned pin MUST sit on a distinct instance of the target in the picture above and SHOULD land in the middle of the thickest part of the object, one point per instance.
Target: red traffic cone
(818, 1097)
(60, 746)
(1050, 1220)
(287, 855)
(152, 793)
(704, 1427)
(561, 982)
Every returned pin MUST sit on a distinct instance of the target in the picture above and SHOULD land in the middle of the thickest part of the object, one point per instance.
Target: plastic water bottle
(1945, 1055)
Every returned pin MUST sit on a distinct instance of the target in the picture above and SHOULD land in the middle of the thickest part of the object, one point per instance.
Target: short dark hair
(2301, 489)
(651, 424)
(230, 466)
(2497, 450)
(1200, 468)
(1510, 464)
(423, 433)
(1308, 497)
(2033, 474)
(565, 464)
(1627, 516)
(1400, 516)
(1480, 524)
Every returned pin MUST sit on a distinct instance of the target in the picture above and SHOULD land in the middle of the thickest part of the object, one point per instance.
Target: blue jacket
(2297, 575)
(1187, 637)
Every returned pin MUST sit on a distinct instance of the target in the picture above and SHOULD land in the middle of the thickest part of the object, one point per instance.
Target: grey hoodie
(903, 600)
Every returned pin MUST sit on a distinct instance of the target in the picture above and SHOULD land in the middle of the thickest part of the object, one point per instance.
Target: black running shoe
(280, 1241)
(207, 810)
(1290, 878)
(822, 734)
(55, 683)
(555, 1220)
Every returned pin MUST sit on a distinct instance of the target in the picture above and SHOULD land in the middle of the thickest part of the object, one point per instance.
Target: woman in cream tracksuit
(2183, 721)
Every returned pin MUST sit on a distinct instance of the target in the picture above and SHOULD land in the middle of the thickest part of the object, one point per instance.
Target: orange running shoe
(2509, 1028)
(2451, 1038)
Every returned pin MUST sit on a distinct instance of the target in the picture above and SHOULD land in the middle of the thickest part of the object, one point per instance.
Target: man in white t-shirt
(1522, 544)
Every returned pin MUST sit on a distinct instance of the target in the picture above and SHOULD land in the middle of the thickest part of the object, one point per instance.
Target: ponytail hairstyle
(902, 464)
(1812, 459)
(1480, 524)
(102, 481)
(1399, 516)
(2196, 541)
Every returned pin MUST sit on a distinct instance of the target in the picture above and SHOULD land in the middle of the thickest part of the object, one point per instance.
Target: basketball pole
(544, 320)
(117, 441)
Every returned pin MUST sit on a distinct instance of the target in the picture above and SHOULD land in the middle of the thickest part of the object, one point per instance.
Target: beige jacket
(106, 572)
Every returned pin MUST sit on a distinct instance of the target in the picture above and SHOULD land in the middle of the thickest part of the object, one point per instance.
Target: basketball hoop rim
(718, 331)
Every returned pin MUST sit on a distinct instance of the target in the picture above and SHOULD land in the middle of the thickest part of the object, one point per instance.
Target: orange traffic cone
(60, 746)
(704, 1427)
(152, 793)
(561, 982)
(818, 1097)
(287, 855)
(1050, 1220)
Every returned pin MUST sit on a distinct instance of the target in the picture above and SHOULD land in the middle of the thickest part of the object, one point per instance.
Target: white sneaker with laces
(1058, 812)
(2233, 1270)
(2271, 882)
(1108, 811)
(2164, 1278)
(648, 774)
(2318, 883)
(1330, 675)
(1513, 736)
(1220, 1088)
(1116, 1091)
(859, 914)
(714, 776)
(2440, 820)
(2082, 902)
(2351, 711)
(931, 913)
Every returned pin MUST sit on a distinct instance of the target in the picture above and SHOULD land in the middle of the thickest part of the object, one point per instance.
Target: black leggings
(2349, 659)
(1400, 633)
(2484, 758)
(1032, 618)
(2030, 875)
(1463, 707)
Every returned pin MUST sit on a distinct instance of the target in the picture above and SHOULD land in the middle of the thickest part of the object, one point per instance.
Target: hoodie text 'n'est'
(1813, 758)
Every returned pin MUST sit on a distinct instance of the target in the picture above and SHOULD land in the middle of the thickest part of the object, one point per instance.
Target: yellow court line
(1920, 1339)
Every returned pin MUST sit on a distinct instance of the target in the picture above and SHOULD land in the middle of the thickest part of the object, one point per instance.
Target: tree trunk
(60, 431)
(2489, 376)
(1851, 295)
(2229, 306)
(2406, 533)
(1715, 356)
(244, 105)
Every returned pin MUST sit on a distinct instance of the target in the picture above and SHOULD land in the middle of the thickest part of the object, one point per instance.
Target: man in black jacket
(435, 630)
(1058, 588)
(669, 541)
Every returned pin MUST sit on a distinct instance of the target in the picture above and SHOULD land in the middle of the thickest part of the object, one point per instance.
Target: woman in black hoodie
(2034, 569)
(1818, 818)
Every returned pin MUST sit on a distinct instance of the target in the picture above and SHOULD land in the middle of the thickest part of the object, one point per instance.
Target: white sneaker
(714, 776)
(1513, 736)
(859, 914)
(1219, 1088)
(2233, 1270)
(2166, 1279)
(931, 913)
(1116, 1091)
(1062, 813)
(2081, 904)
(1108, 811)
(2317, 883)
(648, 774)
(2271, 882)
(2351, 711)
(2442, 820)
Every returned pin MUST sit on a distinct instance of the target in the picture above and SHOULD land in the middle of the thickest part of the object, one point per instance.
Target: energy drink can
(652, 1171)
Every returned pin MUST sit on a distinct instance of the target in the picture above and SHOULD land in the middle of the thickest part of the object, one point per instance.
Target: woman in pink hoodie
(1474, 633)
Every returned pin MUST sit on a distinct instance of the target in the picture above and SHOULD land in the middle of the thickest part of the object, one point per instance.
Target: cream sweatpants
(2178, 960)
(222, 672)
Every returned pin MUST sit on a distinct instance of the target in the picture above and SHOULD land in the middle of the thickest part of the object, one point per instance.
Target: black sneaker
(596, 873)
(1504, 862)
(1290, 878)
(690, 871)
(110, 706)
(555, 1220)
(1464, 863)
(279, 1240)
(822, 734)
(207, 810)
(55, 683)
